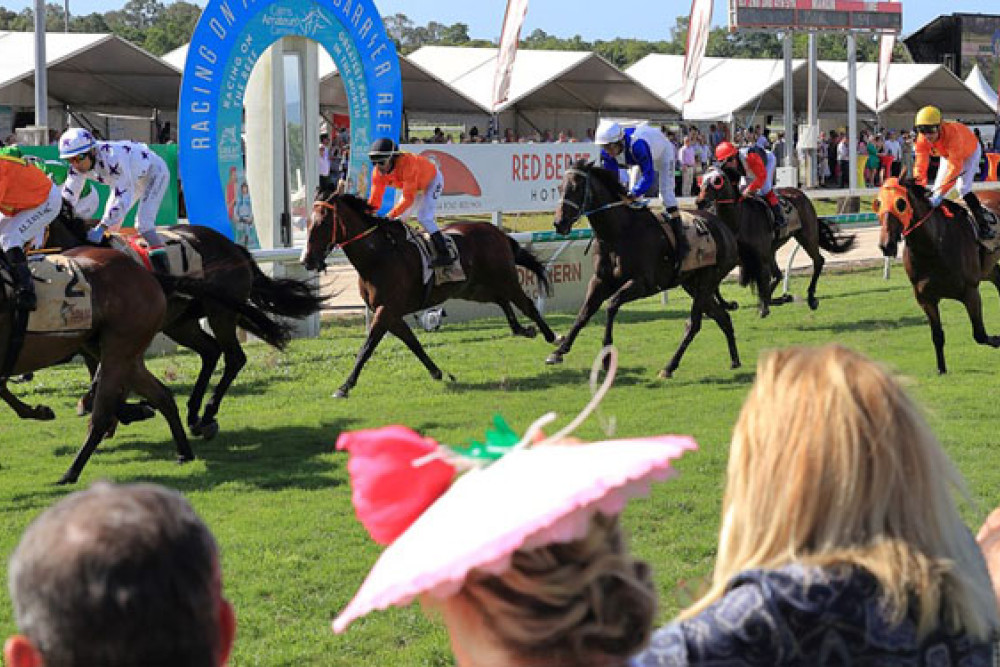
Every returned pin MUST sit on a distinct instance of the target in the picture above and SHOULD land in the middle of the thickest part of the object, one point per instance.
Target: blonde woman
(840, 539)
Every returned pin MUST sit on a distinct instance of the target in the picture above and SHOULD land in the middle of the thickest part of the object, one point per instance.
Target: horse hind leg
(974, 307)
(224, 326)
(109, 393)
(524, 303)
(515, 326)
(23, 410)
(721, 317)
(160, 397)
(818, 263)
(188, 332)
(403, 332)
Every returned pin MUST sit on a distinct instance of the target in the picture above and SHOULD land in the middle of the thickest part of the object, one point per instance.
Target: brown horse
(750, 219)
(229, 267)
(128, 309)
(390, 272)
(942, 256)
(634, 259)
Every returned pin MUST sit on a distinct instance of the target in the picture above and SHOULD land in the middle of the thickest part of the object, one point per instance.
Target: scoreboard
(815, 15)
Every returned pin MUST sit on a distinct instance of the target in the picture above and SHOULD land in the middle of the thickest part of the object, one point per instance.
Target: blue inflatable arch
(229, 39)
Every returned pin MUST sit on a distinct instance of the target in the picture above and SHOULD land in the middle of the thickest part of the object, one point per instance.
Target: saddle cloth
(183, 258)
(993, 244)
(791, 216)
(65, 303)
(452, 273)
(702, 246)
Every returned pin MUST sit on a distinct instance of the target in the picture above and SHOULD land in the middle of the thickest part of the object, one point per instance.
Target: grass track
(276, 495)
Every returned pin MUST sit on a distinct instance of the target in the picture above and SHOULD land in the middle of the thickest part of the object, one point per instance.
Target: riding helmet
(928, 116)
(725, 150)
(383, 150)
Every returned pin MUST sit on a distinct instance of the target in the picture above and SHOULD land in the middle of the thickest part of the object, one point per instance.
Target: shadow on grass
(864, 325)
(547, 379)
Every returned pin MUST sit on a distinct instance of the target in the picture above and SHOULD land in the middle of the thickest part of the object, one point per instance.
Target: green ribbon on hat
(500, 440)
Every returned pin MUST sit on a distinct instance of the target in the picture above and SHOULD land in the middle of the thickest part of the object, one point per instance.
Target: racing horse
(228, 266)
(634, 258)
(750, 219)
(123, 323)
(390, 272)
(943, 257)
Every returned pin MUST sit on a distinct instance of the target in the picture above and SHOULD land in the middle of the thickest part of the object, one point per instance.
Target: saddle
(65, 304)
(439, 275)
(794, 223)
(184, 260)
(703, 249)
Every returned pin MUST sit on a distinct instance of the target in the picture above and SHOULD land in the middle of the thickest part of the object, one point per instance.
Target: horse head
(336, 220)
(586, 188)
(898, 201)
(716, 187)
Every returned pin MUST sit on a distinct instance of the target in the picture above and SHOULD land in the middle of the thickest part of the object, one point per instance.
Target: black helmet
(382, 150)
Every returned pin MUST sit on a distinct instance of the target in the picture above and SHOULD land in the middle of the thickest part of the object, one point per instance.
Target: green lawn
(276, 494)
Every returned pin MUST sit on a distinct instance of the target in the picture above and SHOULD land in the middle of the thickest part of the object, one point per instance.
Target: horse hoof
(451, 378)
(82, 409)
(731, 305)
(735, 365)
(528, 332)
(66, 479)
(813, 303)
(340, 393)
(559, 340)
(764, 312)
(665, 374)
(209, 429)
(184, 458)
(128, 414)
(43, 413)
(194, 426)
(554, 358)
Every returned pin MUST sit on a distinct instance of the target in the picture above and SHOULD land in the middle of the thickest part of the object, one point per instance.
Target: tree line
(159, 28)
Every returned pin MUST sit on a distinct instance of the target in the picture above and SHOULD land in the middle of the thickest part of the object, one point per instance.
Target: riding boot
(674, 220)
(779, 220)
(972, 201)
(24, 290)
(441, 255)
(158, 258)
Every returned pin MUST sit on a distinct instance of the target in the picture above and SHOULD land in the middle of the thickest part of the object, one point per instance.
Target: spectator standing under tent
(324, 161)
(688, 162)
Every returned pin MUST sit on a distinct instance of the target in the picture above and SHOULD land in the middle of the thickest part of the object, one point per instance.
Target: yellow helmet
(928, 116)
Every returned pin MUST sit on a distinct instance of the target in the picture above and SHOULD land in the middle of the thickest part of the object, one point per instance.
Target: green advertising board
(57, 170)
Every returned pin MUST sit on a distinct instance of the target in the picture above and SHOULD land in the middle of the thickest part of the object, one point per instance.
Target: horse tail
(751, 266)
(832, 239)
(252, 317)
(286, 297)
(524, 258)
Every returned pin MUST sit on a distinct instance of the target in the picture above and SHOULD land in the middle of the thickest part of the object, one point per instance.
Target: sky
(591, 19)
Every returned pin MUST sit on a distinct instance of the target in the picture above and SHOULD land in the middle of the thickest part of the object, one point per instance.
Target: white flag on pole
(699, 26)
(512, 21)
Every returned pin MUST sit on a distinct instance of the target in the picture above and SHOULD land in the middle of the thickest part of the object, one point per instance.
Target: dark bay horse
(750, 218)
(390, 272)
(942, 257)
(228, 266)
(128, 310)
(634, 258)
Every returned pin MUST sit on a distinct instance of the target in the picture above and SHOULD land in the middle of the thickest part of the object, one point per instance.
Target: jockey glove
(936, 200)
(96, 234)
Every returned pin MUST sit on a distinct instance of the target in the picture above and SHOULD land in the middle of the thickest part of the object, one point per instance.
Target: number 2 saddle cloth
(64, 297)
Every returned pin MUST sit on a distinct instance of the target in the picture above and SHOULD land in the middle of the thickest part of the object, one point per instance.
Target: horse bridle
(581, 208)
(338, 225)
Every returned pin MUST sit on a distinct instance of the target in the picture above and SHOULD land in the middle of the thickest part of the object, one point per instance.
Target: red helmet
(724, 151)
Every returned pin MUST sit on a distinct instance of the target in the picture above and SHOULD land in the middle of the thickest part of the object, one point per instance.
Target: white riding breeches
(425, 204)
(151, 189)
(965, 178)
(24, 226)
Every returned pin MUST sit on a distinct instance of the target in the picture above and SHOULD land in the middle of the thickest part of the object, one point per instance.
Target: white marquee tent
(981, 87)
(740, 89)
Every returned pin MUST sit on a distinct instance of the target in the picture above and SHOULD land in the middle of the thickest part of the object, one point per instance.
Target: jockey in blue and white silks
(646, 147)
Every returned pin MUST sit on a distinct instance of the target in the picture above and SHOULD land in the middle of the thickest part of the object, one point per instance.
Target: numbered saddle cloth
(183, 258)
(452, 273)
(701, 243)
(64, 296)
(993, 244)
(791, 216)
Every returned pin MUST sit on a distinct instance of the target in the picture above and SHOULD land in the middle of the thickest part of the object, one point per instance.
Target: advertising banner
(482, 178)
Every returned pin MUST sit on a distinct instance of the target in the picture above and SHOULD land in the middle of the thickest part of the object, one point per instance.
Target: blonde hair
(832, 463)
(570, 604)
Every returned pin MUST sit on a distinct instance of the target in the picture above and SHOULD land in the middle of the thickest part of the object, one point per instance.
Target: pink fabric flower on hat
(389, 492)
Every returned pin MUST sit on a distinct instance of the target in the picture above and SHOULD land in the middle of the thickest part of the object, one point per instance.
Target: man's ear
(227, 630)
(18, 651)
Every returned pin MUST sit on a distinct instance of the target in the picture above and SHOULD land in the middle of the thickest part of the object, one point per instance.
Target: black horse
(634, 258)
(229, 267)
(750, 219)
(942, 257)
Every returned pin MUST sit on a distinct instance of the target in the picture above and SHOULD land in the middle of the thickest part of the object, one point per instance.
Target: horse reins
(337, 227)
(582, 207)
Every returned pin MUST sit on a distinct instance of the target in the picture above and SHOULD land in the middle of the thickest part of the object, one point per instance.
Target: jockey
(960, 154)
(132, 171)
(57, 172)
(654, 154)
(421, 183)
(756, 165)
(29, 201)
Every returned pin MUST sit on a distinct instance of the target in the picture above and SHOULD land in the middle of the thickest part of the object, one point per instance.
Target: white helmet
(608, 132)
(75, 141)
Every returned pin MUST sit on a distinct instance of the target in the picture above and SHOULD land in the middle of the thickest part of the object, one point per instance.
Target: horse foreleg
(721, 317)
(691, 330)
(160, 397)
(86, 403)
(375, 334)
(630, 291)
(818, 262)
(937, 333)
(23, 410)
(109, 393)
(597, 292)
(188, 332)
(974, 307)
(403, 332)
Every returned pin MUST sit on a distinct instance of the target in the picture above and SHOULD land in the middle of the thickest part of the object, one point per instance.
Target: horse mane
(606, 177)
(361, 207)
(75, 225)
(914, 188)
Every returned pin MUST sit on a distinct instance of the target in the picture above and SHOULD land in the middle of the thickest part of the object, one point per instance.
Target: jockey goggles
(927, 129)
